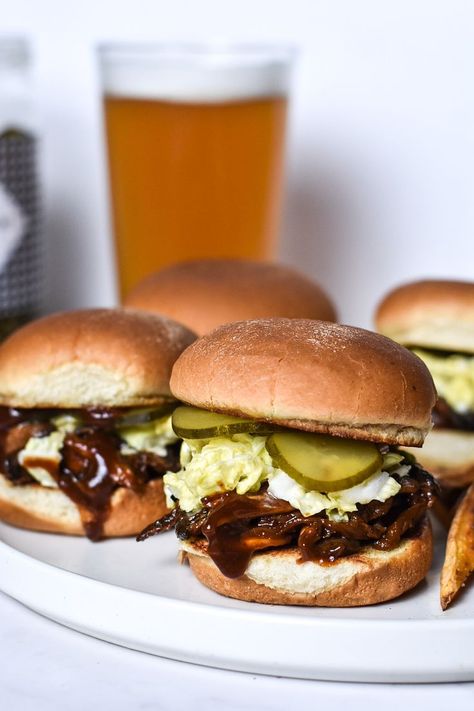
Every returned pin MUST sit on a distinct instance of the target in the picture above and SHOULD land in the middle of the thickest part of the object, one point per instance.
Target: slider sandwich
(85, 434)
(207, 293)
(292, 487)
(435, 319)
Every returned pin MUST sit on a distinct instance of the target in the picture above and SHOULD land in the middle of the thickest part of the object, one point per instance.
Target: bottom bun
(46, 509)
(448, 455)
(365, 578)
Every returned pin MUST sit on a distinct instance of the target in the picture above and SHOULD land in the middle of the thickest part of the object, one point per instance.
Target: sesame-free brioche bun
(310, 375)
(449, 456)
(204, 294)
(40, 508)
(277, 578)
(432, 314)
(106, 357)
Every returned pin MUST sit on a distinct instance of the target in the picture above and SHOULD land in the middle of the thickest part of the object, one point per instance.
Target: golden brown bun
(46, 509)
(310, 375)
(204, 294)
(449, 456)
(105, 357)
(434, 314)
(365, 578)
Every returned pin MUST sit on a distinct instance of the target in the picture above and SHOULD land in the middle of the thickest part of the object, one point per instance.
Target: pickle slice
(193, 423)
(321, 462)
(139, 416)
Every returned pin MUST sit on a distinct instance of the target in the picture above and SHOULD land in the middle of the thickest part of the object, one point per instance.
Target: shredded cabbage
(153, 436)
(242, 463)
(66, 423)
(220, 464)
(47, 448)
(379, 487)
(453, 376)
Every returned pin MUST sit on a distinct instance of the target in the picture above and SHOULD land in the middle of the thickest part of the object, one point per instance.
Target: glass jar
(20, 247)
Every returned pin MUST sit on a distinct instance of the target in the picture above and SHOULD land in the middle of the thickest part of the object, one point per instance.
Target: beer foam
(195, 76)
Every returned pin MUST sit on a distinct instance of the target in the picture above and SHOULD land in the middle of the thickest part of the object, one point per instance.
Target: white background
(381, 145)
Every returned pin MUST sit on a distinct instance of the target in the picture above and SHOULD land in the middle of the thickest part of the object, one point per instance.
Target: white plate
(136, 595)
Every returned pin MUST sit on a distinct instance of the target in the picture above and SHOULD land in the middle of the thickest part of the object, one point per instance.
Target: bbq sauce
(46, 464)
(236, 526)
(92, 466)
(91, 469)
(8, 417)
(103, 417)
(227, 531)
(16, 427)
(446, 417)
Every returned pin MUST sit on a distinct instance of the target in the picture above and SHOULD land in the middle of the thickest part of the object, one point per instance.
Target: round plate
(137, 595)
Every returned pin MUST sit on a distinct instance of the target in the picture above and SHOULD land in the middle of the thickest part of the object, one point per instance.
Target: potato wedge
(459, 559)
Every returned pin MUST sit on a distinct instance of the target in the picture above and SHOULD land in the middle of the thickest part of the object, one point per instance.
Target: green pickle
(321, 462)
(143, 415)
(392, 460)
(194, 423)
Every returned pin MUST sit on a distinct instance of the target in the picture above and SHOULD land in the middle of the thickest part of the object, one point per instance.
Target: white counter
(45, 667)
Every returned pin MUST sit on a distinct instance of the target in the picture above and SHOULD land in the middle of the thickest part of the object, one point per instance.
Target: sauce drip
(92, 466)
(90, 470)
(233, 527)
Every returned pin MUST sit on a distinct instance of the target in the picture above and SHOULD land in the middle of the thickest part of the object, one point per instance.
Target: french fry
(459, 559)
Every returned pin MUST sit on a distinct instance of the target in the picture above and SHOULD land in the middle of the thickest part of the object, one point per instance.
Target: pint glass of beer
(196, 150)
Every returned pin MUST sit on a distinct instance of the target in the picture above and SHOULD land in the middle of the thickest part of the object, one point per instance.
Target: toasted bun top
(433, 314)
(92, 357)
(310, 375)
(207, 293)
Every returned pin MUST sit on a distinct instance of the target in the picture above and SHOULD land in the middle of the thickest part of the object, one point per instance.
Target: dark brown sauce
(92, 466)
(230, 540)
(446, 417)
(100, 416)
(104, 417)
(16, 428)
(91, 469)
(46, 464)
(8, 417)
(234, 526)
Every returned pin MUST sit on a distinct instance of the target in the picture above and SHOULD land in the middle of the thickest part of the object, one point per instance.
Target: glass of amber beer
(195, 140)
